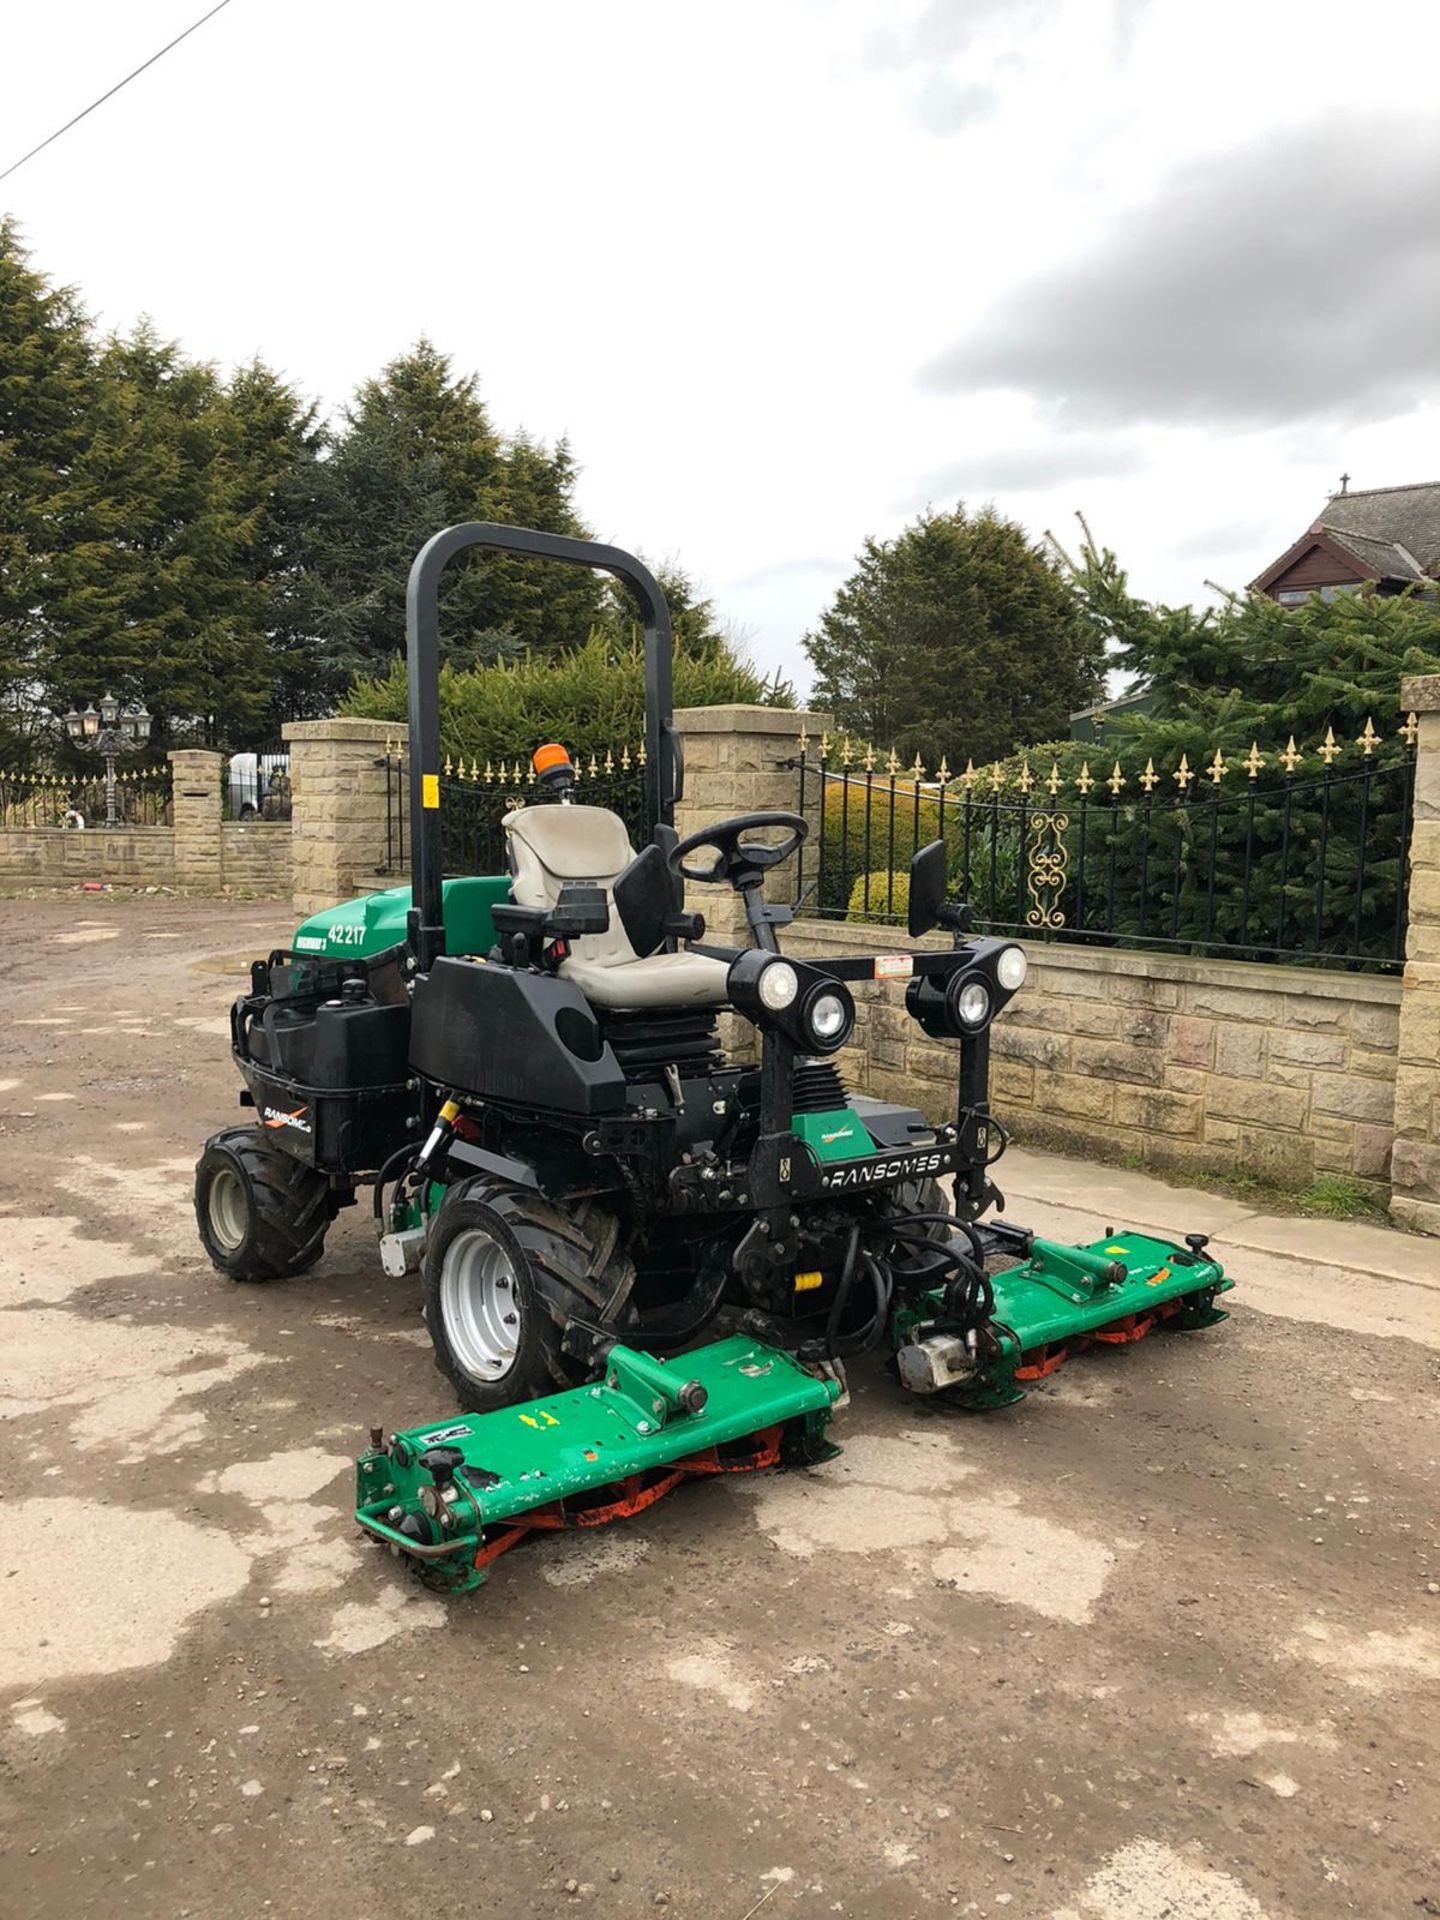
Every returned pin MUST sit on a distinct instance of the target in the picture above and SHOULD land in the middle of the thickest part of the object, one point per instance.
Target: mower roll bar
(664, 760)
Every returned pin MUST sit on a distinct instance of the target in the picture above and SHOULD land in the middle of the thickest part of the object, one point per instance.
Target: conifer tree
(47, 384)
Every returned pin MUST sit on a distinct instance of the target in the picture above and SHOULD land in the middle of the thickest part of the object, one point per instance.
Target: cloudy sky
(788, 271)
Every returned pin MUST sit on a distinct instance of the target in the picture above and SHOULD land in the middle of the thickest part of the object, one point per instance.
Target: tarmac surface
(1162, 1643)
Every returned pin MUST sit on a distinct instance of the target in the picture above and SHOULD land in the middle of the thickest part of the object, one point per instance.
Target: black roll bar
(664, 761)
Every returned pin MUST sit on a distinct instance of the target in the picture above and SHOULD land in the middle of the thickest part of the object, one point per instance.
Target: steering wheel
(743, 863)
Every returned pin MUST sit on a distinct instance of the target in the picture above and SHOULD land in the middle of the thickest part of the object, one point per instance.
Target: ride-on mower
(643, 1258)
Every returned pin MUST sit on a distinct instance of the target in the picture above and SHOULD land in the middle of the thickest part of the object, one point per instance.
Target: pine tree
(149, 598)
(958, 637)
(416, 453)
(47, 379)
(268, 448)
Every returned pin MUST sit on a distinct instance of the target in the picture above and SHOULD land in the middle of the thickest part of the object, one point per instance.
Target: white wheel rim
(229, 1208)
(480, 1305)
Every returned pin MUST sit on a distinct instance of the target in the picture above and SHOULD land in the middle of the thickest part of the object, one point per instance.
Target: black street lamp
(111, 731)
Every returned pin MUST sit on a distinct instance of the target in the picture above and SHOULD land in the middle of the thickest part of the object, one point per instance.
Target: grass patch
(1340, 1199)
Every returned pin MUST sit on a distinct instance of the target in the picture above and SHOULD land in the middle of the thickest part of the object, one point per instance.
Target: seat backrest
(550, 845)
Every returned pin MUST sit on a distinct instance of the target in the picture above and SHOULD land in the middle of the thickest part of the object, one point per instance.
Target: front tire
(262, 1214)
(504, 1270)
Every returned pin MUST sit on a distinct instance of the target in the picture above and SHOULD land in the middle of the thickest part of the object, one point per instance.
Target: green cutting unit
(644, 1256)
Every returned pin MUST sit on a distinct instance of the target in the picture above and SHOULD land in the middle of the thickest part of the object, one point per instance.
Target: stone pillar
(737, 761)
(1415, 1163)
(195, 808)
(338, 793)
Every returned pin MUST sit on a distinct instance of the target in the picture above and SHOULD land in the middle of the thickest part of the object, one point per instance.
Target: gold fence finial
(1082, 779)
(1292, 756)
(918, 769)
(1217, 768)
(1330, 748)
(942, 772)
(868, 763)
(625, 759)
(1053, 778)
(1369, 739)
(449, 769)
(824, 748)
(1254, 761)
(1149, 779)
(1410, 732)
(1182, 775)
(1026, 779)
(892, 763)
(969, 776)
(1116, 780)
(996, 775)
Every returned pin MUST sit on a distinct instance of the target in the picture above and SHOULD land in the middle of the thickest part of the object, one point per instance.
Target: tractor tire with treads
(505, 1269)
(262, 1214)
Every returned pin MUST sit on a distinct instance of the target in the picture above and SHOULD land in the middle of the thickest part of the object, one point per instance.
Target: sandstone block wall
(1416, 1171)
(1287, 1071)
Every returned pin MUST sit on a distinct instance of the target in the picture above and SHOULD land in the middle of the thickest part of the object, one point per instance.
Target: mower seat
(552, 845)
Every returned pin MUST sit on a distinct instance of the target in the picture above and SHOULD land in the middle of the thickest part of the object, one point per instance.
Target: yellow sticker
(430, 790)
(808, 1282)
(525, 1417)
(1117, 1249)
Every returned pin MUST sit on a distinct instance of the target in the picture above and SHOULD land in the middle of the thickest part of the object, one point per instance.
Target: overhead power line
(193, 27)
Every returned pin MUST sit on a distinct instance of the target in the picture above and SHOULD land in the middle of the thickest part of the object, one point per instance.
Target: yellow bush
(888, 895)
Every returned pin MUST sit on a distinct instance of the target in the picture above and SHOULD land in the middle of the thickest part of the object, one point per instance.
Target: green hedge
(591, 700)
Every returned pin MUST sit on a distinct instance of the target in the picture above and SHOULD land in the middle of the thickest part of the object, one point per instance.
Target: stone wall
(199, 853)
(1416, 1172)
(123, 856)
(1288, 1072)
(255, 856)
(337, 784)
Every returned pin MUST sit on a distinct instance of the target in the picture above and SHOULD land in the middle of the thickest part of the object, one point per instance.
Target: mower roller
(643, 1259)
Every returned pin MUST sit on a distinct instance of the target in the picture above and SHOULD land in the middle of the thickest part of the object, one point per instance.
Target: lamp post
(111, 730)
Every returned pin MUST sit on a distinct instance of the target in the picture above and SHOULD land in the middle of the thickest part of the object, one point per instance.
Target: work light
(814, 1012)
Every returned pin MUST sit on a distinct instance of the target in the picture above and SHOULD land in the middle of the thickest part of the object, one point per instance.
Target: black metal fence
(474, 800)
(1272, 857)
(255, 784)
(83, 801)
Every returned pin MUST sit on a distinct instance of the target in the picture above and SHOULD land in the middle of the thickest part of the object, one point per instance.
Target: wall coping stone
(1420, 693)
(363, 732)
(779, 720)
(1242, 975)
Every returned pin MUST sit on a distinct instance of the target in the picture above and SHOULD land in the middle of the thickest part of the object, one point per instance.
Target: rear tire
(262, 1214)
(505, 1269)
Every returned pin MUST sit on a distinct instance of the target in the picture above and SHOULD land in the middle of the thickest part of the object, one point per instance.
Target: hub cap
(229, 1208)
(479, 1301)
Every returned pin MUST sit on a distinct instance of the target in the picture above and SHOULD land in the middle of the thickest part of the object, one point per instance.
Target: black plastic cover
(528, 1039)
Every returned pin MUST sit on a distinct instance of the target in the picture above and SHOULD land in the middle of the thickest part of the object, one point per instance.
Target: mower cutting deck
(454, 1497)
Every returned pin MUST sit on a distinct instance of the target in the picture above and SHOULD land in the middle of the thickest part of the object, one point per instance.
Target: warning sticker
(893, 966)
(429, 791)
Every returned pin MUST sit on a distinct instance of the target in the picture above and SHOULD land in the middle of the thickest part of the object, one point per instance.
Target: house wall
(1317, 568)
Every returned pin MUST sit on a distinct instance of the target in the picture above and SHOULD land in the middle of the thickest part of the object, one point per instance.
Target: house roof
(1405, 520)
(1390, 533)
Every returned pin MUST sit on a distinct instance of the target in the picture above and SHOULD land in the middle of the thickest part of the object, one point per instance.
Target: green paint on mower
(1059, 1300)
(455, 1494)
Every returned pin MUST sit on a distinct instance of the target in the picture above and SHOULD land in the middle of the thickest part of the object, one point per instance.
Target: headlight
(828, 1019)
(972, 1004)
(1011, 968)
(778, 986)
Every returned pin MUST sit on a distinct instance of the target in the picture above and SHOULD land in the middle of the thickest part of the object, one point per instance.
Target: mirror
(927, 888)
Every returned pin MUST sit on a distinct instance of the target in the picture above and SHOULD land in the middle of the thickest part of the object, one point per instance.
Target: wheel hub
(480, 1304)
(229, 1208)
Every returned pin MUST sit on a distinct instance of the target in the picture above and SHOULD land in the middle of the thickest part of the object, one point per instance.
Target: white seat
(551, 846)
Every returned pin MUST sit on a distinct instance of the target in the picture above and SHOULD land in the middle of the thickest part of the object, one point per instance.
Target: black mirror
(928, 879)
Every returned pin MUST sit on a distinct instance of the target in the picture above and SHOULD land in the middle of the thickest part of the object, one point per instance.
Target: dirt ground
(1163, 1643)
